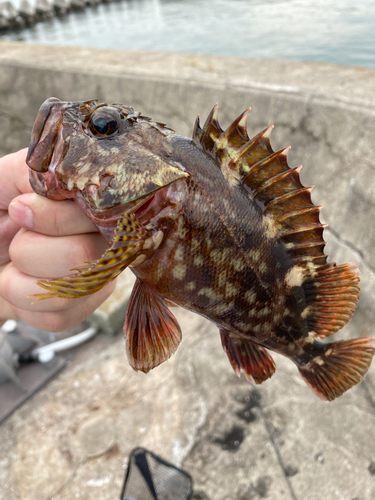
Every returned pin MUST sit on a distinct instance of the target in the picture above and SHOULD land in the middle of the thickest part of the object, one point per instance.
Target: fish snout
(44, 133)
(46, 143)
(49, 145)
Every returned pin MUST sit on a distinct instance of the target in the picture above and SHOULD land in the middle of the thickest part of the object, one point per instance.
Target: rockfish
(218, 224)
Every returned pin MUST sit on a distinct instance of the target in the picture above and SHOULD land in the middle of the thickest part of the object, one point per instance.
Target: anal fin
(152, 333)
(253, 359)
(342, 365)
(128, 240)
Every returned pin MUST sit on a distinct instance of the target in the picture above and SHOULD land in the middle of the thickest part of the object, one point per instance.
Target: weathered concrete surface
(276, 441)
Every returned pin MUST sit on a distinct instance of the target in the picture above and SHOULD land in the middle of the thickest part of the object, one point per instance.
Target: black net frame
(149, 477)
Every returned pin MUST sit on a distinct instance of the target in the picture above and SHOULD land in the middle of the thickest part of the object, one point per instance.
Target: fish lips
(44, 135)
(47, 146)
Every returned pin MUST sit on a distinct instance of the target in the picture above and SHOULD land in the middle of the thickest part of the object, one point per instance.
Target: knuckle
(47, 216)
(56, 228)
(60, 303)
(6, 283)
(82, 249)
(55, 321)
(18, 244)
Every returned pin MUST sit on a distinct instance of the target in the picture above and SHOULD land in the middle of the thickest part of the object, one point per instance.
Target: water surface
(320, 30)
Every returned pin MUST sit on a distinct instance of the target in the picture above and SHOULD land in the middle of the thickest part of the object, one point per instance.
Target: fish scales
(230, 235)
(218, 224)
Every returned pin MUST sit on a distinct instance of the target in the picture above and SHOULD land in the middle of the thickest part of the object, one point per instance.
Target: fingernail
(21, 214)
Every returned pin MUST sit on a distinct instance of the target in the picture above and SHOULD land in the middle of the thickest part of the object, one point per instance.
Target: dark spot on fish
(259, 489)
(232, 440)
(291, 471)
(204, 301)
(250, 401)
(371, 468)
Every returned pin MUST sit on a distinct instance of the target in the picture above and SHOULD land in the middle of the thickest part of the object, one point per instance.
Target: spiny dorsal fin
(207, 136)
(273, 185)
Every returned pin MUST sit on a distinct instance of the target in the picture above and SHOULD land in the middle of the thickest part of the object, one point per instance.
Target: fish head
(105, 155)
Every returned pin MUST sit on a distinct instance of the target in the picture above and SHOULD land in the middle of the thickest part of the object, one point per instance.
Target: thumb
(49, 217)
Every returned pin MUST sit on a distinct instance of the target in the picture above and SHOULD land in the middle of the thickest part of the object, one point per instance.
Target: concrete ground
(276, 441)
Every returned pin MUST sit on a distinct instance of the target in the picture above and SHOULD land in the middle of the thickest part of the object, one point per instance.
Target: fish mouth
(43, 136)
(164, 202)
(108, 217)
(144, 208)
(48, 148)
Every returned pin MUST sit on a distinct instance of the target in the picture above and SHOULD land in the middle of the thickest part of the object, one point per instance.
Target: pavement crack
(57, 494)
(352, 247)
(369, 391)
(280, 460)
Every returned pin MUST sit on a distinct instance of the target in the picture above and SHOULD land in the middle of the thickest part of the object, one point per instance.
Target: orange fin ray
(332, 293)
(342, 365)
(254, 360)
(263, 138)
(255, 177)
(288, 197)
(128, 241)
(152, 333)
(236, 132)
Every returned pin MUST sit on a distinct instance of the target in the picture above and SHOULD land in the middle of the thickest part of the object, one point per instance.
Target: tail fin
(332, 294)
(342, 365)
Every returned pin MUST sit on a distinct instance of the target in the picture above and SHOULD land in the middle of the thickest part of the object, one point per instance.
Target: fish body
(218, 224)
(217, 259)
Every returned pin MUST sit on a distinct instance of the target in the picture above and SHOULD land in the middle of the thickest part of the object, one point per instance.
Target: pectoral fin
(127, 243)
(152, 333)
(252, 358)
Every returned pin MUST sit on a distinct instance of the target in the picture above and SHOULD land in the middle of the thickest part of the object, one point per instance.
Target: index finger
(49, 217)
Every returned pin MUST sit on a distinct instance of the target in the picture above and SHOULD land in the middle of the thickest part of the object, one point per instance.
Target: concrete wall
(326, 112)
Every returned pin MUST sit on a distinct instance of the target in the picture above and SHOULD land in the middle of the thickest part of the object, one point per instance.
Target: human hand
(39, 239)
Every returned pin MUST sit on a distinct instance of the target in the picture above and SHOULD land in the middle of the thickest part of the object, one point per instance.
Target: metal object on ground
(29, 359)
(7, 368)
(149, 477)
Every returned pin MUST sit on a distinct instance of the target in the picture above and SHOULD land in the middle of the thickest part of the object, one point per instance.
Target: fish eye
(105, 122)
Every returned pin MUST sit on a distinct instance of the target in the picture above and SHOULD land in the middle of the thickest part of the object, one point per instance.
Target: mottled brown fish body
(221, 264)
(218, 224)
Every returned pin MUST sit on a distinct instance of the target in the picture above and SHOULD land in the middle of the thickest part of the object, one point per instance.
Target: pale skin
(41, 238)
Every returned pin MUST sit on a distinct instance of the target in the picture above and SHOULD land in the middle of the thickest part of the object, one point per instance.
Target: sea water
(332, 31)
